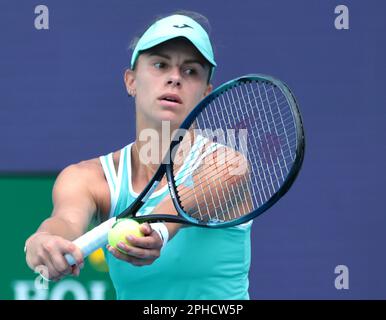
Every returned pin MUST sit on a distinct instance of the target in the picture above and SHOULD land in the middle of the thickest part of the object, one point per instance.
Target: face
(168, 81)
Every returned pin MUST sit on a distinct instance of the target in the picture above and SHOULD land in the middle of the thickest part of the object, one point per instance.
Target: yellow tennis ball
(120, 230)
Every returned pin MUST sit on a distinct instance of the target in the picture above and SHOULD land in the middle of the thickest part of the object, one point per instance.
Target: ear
(130, 82)
(208, 90)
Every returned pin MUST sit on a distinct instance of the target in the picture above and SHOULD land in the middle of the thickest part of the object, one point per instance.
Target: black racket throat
(134, 208)
(165, 218)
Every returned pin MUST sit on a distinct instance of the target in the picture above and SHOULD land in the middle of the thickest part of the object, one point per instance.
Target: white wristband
(162, 231)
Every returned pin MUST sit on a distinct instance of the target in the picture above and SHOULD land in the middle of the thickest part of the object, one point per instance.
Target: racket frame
(166, 166)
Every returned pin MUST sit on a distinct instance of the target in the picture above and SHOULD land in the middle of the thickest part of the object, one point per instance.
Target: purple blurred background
(62, 100)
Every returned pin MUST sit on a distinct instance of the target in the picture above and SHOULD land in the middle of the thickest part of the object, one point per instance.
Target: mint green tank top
(198, 263)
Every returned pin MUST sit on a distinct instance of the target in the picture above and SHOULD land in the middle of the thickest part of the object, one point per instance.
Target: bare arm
(75, 204)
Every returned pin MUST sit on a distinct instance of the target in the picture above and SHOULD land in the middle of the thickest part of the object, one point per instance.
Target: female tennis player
(171, 68)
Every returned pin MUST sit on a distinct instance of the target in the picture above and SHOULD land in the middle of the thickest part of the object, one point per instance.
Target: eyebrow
(166, 56)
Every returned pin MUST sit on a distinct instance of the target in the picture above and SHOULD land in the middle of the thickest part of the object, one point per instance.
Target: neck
(153, 141)
(144, 161)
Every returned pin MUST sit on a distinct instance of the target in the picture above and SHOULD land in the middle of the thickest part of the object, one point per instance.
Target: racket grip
(92, 240)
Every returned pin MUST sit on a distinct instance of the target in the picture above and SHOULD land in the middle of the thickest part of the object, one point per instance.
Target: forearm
(61, 227)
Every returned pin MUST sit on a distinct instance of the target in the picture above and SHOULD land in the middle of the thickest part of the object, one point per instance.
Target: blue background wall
(62, 99)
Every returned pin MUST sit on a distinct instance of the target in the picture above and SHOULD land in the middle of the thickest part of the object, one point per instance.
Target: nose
(174, 78)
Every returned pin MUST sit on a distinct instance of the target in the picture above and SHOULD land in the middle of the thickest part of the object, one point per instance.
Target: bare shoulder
(88, 171)
(84, 180)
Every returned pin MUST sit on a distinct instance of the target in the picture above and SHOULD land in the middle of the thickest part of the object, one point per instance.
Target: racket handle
(92, 240)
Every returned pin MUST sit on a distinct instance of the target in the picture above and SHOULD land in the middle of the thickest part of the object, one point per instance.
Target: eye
(160, 65)
(190, 71)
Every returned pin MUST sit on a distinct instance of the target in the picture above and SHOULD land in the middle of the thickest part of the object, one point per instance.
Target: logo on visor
(182, 26)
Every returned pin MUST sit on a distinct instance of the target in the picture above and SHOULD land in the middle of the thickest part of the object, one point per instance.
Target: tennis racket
(234, 156)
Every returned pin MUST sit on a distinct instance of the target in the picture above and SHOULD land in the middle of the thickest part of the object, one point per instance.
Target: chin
(170, 116)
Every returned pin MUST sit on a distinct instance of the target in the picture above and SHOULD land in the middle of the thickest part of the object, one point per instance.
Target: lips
(170, 98)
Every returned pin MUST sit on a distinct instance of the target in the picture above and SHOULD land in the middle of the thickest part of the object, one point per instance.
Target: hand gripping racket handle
(92, 240)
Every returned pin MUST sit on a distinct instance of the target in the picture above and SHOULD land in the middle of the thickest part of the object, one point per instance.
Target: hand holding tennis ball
(120, 230)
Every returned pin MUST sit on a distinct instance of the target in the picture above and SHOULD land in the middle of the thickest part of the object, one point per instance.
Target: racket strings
(212, 205)
(214, 176)
(290, 155)
(280, 164)
(244, 115)
(224, 210)
(186, 142)
(269, 149)
(216, 207)
(228, 191)
(290, 137)
(262, 174)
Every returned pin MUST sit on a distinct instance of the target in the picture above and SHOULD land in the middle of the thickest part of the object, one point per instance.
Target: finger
(50, 273)
(37, 259)
(76, 254)
(75, 271)
(40, 264)
(152, 241)
(61, 266)
(60, 263)
(47, 271)
(146, 229)
(117, 254)
(139, 252)
(132, 260)
(58, 260)
(53, 272)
